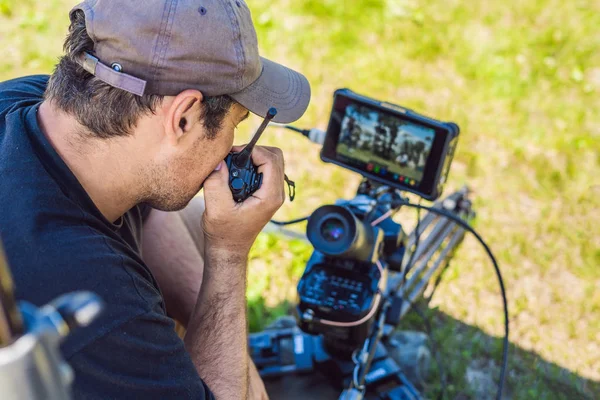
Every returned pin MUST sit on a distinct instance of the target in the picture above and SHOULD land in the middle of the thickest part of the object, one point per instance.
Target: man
(96, 161)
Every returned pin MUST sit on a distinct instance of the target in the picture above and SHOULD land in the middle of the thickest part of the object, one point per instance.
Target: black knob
(237, 185)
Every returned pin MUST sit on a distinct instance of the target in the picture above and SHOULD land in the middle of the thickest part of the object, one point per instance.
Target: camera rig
(365, 272)
(348, 310)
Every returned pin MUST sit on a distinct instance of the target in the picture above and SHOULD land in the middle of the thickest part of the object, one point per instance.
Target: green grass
(522, 79)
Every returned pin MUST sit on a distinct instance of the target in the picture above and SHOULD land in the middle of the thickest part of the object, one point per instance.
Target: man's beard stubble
(168, 190)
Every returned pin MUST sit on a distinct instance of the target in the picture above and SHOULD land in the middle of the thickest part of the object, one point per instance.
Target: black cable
(304, 132)
(466, 226)
(416, 244)
(434, 347)
(284, 223)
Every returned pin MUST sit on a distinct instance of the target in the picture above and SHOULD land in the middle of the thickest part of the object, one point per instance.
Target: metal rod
(373, 342)
(434, 246)
(431, 240)
(430, 217)
(425, 222)
(419, 288)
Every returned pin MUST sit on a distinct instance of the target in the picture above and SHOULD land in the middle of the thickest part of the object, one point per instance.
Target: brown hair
(104, 110)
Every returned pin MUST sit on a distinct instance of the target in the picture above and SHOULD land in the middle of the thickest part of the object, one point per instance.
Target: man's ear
(183, 114)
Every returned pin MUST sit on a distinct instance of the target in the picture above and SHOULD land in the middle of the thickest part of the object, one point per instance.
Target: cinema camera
(362, 277)
(356, 243)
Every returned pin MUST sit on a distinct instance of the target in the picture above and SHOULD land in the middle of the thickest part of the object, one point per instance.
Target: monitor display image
(384, 144)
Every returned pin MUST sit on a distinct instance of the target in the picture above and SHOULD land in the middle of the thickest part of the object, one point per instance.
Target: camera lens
(332, 229)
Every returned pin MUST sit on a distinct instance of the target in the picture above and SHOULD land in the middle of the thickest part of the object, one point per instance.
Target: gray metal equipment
(31, 367)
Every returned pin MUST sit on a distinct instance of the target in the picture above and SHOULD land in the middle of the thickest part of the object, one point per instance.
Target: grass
(522, 79)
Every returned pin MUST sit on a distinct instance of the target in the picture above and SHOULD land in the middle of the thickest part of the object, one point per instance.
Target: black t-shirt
(57, 241)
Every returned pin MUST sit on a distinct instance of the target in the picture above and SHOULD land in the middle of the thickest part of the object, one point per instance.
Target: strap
(291, 187)
(112, 77)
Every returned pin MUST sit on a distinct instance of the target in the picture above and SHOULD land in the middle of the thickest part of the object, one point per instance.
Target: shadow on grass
(471, 360)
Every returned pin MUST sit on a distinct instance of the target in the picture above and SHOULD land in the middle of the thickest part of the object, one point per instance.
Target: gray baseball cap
(167, 46)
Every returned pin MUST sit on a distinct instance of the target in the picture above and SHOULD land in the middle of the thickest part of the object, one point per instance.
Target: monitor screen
(384, 145)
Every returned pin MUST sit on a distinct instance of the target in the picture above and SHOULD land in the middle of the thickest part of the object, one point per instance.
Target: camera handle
(364, 359)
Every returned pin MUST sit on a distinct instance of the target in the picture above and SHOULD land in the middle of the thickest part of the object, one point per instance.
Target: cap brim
(277, 86)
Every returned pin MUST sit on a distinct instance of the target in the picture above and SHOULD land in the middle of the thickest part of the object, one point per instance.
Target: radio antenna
(242, 158)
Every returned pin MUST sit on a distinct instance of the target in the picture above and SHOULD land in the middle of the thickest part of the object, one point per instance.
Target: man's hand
(234, 226)
(217, 332)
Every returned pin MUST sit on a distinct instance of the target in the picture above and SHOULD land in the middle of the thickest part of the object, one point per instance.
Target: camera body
(342, 291)
(345, 277)
(390, 144)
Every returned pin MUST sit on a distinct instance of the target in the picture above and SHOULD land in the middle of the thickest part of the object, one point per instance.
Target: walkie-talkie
(244, 178)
